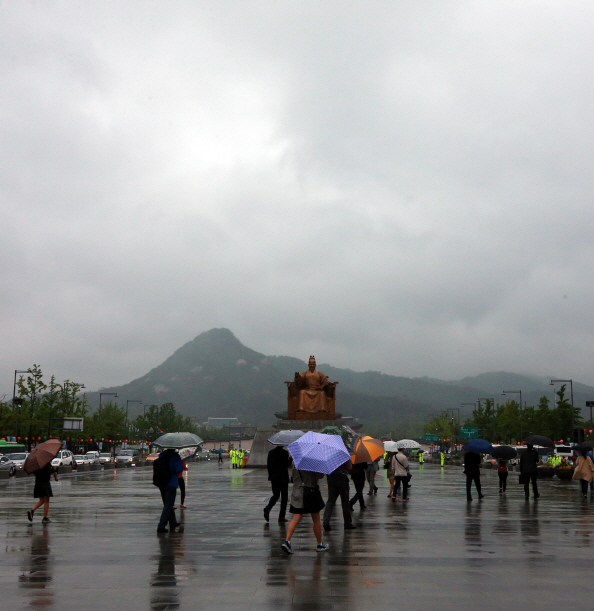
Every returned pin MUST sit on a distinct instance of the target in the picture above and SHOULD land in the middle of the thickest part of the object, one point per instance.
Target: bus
(10, 447)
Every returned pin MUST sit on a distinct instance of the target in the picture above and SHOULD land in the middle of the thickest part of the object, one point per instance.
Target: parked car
(93, 457)
(105, 458)
(7, 465)
(78, 460)
(127, 456)
(19, 459)
(64, 458)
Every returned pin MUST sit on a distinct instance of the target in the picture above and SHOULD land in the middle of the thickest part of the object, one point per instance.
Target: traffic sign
(469, 432)
(431, 437)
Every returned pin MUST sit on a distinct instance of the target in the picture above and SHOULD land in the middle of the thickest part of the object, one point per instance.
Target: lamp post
(127, 402)
(571, 391)
(108, 394)
(515, 392)
(66, 385)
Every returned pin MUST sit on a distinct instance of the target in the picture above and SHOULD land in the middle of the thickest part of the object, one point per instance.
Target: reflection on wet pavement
(102, 550)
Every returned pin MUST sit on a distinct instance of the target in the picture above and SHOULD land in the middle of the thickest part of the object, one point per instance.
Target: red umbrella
(41, 455)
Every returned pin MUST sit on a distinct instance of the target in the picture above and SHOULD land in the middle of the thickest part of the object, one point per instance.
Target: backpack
(161, 473)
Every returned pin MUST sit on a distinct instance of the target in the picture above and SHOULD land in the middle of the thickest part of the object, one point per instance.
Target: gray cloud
(393, 186)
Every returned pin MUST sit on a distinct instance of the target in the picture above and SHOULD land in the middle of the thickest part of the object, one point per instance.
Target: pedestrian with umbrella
(314, 455)
(503, 454)
(39, 462)
(472, 461)
(583, 469)
(400, 466)
(528, 468)
(278, 463)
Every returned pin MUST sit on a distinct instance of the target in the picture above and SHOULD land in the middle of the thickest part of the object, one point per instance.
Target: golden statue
(311, 395)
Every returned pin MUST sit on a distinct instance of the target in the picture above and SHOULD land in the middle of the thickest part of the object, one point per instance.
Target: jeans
(168, 514)
(336, 489)
(476, 478)
(370, 477)
(404, 480)
(280, 488)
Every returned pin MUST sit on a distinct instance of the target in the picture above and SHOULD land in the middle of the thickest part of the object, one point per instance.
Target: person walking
(502, 474)
(358, 477)
(528, 469)
(338, 485)
(306, 498)
(400, 464)
(472, 462)
(166, 475)
(583, 471)
(278, 463)
(370, 472)
(43, 491)
(220, 461)
(390, 471)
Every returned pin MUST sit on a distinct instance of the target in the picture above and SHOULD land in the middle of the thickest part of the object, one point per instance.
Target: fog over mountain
(395, 186)
(216, 375)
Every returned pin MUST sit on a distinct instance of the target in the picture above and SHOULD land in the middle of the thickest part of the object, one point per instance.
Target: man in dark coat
(472, 462)
(528, 466)
(358, 477)
(278, 463)
(338, 485)
(169, 490)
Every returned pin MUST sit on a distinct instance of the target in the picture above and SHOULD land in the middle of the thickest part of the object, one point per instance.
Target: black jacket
(472, 462)
(528, 461)
(279, 461)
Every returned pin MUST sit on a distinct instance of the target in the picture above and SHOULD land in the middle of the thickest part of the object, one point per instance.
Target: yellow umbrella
(366, 449)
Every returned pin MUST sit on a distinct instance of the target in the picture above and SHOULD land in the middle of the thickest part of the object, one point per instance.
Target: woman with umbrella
(40, 463)
(583, 470)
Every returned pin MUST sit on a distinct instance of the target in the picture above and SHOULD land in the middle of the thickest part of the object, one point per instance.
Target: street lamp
(515, 392)
(571, 390)
(127, 402)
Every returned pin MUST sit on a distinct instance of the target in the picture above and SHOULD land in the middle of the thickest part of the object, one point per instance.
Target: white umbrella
(407, 444)
(390, 446)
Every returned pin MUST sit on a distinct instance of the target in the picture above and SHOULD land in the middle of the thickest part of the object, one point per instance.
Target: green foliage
(444, 427)
(510, 423)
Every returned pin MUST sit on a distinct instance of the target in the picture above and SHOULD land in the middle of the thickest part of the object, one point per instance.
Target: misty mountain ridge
(216, 375)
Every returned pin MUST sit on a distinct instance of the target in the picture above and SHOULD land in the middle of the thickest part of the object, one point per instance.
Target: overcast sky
(390, 185)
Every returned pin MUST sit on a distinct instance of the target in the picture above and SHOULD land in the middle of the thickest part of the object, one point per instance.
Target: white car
(105, 458)
(7, 465)
(64, 458)
(78, 460)
(19, 458)
(93, 457)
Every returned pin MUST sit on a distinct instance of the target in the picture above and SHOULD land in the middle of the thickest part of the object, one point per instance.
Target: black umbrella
(539, 440)
(581, 447)
(504, 452)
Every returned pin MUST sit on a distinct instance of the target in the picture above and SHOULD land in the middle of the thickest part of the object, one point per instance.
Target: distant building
(219, 423)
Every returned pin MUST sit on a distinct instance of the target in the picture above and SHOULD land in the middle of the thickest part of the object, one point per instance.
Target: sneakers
(267, 514)
(287, 547)
(46, 520)
(405, 499)
(30, 515)
(322, 547)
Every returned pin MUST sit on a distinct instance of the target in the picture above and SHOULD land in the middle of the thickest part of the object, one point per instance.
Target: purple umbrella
(318, 453)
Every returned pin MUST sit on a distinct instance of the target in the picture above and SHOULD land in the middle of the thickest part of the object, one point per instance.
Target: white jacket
(399, 464)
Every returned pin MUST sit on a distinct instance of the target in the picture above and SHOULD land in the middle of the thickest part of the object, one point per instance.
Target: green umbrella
(178, 440)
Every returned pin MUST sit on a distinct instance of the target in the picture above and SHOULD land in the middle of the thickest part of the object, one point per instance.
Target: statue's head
(312, 363)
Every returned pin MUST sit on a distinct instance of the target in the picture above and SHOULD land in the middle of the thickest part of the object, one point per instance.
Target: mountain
(216, 375)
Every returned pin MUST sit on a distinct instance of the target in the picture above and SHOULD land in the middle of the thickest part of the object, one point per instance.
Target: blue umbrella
(284, 438)
(319, 453)
(479, 446)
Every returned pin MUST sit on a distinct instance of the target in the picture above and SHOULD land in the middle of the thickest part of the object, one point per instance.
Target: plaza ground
(101, 550)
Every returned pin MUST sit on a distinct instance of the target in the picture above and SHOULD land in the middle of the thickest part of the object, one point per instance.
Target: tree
(29, 412)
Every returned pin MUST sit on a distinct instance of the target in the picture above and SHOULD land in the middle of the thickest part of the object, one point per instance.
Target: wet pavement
(101, 550)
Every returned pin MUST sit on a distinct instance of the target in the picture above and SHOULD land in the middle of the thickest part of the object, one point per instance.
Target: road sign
(469, 432)
(431, 437)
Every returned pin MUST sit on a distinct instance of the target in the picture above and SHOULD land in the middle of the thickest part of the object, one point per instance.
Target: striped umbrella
(41, 455)
(318, 453)
(367, 449)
